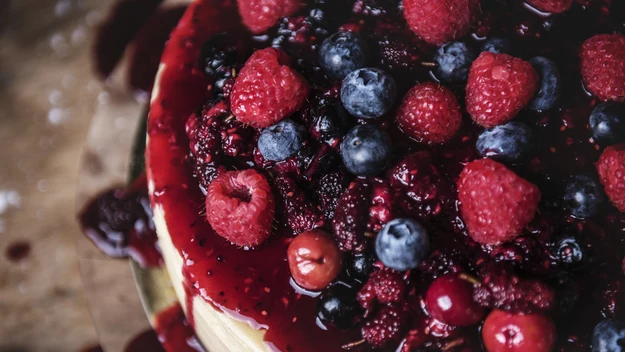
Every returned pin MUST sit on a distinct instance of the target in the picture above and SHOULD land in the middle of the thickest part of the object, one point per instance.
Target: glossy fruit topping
(510, 332)
(314, 259)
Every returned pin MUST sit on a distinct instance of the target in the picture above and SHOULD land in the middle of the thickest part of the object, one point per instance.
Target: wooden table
(48, 96)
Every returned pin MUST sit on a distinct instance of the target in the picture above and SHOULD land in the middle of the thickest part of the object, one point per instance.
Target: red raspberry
(384, 286)
(499, 87)
(603, 66)
(430, 113)
(501, 290)
(495, 203)
(240, 207)
(260, 15)
(386, 327)
(267, 90)
(611, 169)
(301, 214)
(553, 6)
(441, 21)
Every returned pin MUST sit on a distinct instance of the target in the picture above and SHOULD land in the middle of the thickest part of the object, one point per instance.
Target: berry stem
(353, 344)
(428, 64)
(469, 278)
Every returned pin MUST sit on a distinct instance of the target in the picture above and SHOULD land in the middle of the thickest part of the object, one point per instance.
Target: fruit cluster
(419, 210)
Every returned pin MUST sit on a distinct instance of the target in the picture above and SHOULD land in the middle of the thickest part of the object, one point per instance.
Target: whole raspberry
(267, 89)
(430, 113)
(603, 66)
(420, 189)
(611, 169)
(330, 188)
(498, 289)
(499, 86)
(386, 327)
(350, 220)
(441, 21)
(260, 15)
(240, 207)
(384, 286)
(495, 203)
(553, 6)
(301, 214)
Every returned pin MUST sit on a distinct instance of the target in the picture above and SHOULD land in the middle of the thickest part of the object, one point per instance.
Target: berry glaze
(255, 284)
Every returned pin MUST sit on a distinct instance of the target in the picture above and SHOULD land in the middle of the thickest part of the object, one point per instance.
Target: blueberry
(402, 244)
(342, 53)
(453, 60)
(338, 306)
(368, 93)
(549, 87)
(280, 141)
(218, 52)
(366, 150)
(607, 123)
(609, 336)
(511, 142)
(497, 45)
(570, 250)
(583, 196)
(359, 266)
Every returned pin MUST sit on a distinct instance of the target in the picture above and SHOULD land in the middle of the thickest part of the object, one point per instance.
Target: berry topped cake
(416, 175)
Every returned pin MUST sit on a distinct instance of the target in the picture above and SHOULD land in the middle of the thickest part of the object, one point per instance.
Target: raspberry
(441, 21)
(430, 113)
(384, 286)
(499, 87)
(611, 169)
(301, 214)
(501, 290)
(553, 6)
(260, 15)
(386, 327)
(495, 203)
(350, 220)
(267, 89)
(420, 189)
(330, 188)
(204, 134)
(240, 207)
(603, 66)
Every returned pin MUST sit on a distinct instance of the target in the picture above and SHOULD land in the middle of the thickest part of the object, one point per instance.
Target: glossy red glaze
(450, 300)
(509, 332)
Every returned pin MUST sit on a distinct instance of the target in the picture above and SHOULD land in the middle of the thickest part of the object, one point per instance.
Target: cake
(398, 176)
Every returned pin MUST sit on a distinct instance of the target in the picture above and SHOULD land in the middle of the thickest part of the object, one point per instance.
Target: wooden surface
(48, 96)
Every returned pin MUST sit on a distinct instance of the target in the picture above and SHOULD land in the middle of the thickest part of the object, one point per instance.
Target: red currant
(314, 259)
(510, 332)
(450, 300)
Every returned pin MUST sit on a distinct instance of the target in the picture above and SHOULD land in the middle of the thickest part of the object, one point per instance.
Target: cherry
(314, 259)
(510, 332)
(449, 299)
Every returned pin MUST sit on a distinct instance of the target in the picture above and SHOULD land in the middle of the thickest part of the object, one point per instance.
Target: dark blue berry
(497, 45)
(342, 53)
(549, 86)
(280, 141)
(583, 196)
(359, 266)
(609, 336)
(510, 143)
(366, 150)
(368, 93)
(218, 54)
(607, 123)
(402, 244)
(453, 60)
(571, 250)
(338, 306)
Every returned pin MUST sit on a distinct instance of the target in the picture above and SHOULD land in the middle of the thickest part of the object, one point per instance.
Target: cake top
(423, 175)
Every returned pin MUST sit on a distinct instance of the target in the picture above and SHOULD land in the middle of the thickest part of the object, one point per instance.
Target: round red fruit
(314, 259)
(509, 332)
(240, 207)
(449, 299)
(602, 61)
